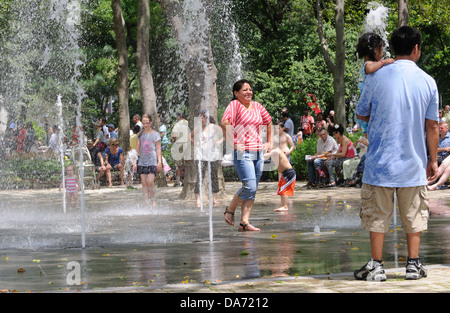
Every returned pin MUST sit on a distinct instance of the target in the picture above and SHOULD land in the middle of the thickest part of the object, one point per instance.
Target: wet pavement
(313, 248)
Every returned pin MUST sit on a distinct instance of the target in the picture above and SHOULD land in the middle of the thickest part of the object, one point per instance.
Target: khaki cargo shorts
(377, 207)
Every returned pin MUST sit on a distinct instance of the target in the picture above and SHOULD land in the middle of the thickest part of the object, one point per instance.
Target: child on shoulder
(72, 186)
(370, 48)
(287, 180)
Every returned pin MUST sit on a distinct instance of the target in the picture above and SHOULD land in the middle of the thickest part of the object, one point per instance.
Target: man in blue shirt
(443, 150)
(396, 159)
(288, 123)
(112, 131)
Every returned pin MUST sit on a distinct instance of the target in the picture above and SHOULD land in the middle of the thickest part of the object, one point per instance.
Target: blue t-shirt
(444, 143)
(398, 98)
(113, 159)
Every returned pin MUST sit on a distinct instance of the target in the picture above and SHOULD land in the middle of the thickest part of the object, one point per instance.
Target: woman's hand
(239, 148)
(267, 147)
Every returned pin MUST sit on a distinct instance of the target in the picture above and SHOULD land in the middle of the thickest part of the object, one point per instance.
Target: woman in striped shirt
(242, 124)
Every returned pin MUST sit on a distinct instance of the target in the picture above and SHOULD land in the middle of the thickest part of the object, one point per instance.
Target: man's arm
(432, 133)
(363, 118)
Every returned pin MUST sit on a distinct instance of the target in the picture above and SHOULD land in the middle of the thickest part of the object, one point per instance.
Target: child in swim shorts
(287, 180)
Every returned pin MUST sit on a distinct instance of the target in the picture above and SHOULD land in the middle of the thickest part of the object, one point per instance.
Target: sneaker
(415, 269)
(372, 271)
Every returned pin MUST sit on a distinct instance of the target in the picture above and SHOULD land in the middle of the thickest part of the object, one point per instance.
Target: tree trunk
(202, 96)
(403, 13)
(122, 74)
(147, 88)
(339, 81)
(143, 63)
(337, 68)
(201, 74)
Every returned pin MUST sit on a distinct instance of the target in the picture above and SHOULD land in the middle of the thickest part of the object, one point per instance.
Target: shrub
(307, 147)
(28, 171)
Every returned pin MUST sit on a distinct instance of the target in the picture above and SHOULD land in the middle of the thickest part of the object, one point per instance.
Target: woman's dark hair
(404, 39)
(338, 128)
(238, 85)
(367, 44)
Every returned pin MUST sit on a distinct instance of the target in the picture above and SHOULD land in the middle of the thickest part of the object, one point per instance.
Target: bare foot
(281, 209)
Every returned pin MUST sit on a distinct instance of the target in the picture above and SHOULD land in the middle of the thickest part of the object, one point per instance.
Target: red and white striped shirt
(71, 184)
(247, 123)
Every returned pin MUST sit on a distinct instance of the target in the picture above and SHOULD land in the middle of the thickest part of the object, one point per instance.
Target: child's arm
(373, 66)
(138, 146)
(291, 144)
(158, 155)
(134, 166)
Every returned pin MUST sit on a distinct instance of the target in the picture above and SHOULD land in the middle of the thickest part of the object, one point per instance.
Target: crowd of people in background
(337, 160)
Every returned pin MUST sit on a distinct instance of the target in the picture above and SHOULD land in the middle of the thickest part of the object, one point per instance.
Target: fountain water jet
(375, 22)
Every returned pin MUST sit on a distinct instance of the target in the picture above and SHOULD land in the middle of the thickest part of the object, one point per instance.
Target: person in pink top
(320, 123)
(345, 152)
(242, 124)
(72, 186)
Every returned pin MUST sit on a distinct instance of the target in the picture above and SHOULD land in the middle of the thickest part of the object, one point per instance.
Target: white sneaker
(372, 271)
(415, 269)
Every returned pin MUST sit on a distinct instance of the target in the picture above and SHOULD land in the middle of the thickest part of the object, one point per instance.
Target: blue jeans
(312, 169)
(249, 166)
